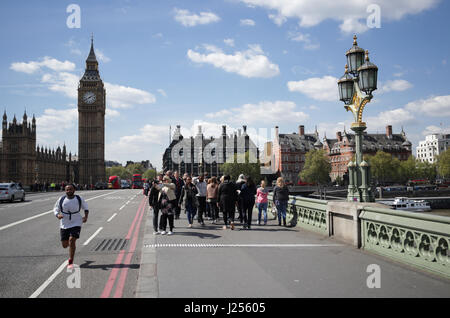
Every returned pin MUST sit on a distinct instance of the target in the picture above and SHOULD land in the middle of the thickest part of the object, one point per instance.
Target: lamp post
(355, 90)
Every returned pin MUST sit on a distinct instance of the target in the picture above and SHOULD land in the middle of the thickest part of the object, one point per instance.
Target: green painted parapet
(417, 239)
(307, 213)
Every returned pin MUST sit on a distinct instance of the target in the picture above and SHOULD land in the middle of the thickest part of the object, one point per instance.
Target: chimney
(224, 130)
(276, 132)
(301, 130)
(339, 136)
(245, 130)
(389, 131)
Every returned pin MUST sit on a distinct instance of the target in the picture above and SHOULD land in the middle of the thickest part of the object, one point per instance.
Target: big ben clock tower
(91, 123)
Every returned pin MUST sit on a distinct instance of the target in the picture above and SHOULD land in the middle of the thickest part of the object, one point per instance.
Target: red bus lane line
(115, 271)
(124, 273)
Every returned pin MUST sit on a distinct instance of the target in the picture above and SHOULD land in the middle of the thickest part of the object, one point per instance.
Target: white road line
(49, 280)
(112, 217)
(122, 207)
(42, 214)
(93, 235)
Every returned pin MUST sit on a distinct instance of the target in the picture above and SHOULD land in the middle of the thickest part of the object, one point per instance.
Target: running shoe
(170, 233)
(163, 233)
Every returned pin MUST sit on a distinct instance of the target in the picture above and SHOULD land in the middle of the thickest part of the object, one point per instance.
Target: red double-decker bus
(114, 182)
(136, 181)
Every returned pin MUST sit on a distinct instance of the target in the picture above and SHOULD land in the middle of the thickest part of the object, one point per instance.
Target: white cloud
(395, 117)
(247, 22)
(101, 56)
(62, 82)
(229, 42)
(162, 92)
(308, 44)
(438, 106)
(351, 15)
(188, 19)
(436, 130)
(48, 62)
(322, 89)
(264, 112)
(249, 63)
(119, 96)
(278, 19)
(141, 146)
(395, 85)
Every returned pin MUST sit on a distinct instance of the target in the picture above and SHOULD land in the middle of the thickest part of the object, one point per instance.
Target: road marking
(115, 271)
(42, 214)
(112, 217)
(93, 235)
(240, 245)
(49, 280)
(122, 207)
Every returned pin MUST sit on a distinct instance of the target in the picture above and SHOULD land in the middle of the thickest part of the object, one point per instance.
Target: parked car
(101, 186)
(125, 185)
(11, 192)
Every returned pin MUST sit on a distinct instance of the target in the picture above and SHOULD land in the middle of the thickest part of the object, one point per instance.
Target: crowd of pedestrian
(204, 198)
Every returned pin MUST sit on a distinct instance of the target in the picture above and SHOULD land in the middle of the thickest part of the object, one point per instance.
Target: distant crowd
(53, 186)
(206, 198)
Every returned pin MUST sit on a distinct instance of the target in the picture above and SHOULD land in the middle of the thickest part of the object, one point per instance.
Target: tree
(235, 168)
(426, 170)
(443, 164)
(384, 168)
(149, 174)
(317, 167)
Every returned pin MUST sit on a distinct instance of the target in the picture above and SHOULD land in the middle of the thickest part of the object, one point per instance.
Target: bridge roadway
(268, 261)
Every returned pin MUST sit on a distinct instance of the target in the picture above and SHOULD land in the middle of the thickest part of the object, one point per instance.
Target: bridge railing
(417, 239)
(307, 213)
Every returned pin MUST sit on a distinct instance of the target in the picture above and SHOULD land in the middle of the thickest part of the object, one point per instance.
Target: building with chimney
(199, 154)
(342, 149)
(289, 152)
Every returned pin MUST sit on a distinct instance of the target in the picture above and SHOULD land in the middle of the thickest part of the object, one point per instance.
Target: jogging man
(67, 210)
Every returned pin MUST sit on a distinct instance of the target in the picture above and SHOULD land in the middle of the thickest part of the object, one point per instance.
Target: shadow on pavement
(198, 234)
(87, 264)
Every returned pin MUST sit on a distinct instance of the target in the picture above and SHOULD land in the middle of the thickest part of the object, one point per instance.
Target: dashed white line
(93, 235)
(112, 217)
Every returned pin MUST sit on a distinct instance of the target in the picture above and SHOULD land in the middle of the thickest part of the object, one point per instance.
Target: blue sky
(222, 62)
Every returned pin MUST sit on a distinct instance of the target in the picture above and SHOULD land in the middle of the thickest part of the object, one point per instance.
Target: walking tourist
(262, 201)
(248, 192)
(201, 196)
(167, 201)
(212, 194)
(228, 198)
(188, 200)
(280, 198)
(153, 202)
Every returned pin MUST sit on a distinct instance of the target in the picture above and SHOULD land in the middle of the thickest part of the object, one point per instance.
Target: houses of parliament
(22, 162)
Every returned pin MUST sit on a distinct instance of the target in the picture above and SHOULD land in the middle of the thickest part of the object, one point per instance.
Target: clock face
(89, 97)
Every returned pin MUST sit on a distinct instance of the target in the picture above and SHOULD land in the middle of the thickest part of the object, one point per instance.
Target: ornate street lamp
(355, 57)
(356, 92)
(346, 87)
(368, 74)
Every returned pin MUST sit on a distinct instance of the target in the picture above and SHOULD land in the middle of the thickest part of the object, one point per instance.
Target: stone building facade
(22, 162)
(197, 155)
